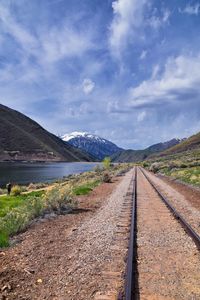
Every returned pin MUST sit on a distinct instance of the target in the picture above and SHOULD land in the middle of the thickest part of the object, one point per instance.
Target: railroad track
(151, 203)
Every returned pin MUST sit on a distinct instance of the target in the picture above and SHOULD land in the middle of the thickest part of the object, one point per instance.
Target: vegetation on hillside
(190, 144)
(180, 162)
(184, 166)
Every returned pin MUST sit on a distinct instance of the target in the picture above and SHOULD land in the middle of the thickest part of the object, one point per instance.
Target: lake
(24, 173)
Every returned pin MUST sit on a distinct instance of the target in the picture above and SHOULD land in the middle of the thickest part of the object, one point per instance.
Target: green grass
(7, 203)
(85, 189)
(4, 239)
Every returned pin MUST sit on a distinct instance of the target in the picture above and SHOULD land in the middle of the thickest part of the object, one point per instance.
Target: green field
(9, 202)
(85, 188)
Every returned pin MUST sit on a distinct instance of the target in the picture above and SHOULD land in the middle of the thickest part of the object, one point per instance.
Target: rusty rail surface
(131, 270)
(190, 231)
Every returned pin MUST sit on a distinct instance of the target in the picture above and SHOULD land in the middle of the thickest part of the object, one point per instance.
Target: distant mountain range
(98, 147)
(139, 155)
(94, 145)
(21, 138)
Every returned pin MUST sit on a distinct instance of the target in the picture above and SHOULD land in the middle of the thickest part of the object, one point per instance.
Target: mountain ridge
(191, 143)
(21, 138)
(139, 155)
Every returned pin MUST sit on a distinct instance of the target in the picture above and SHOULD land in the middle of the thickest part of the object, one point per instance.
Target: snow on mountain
(93, 144)
(77, 134)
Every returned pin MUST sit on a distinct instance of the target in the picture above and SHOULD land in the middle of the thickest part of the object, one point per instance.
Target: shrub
(194, 164)
(155, 167)
(58, 198)
(97, 169)
(41, 185)
(16, 190)
(4, 240)
(106, 178)
(24, 188)
(107, 163)
(31, 186)
(35, 206)
(16, 220)
(183, 165)
(145, 164)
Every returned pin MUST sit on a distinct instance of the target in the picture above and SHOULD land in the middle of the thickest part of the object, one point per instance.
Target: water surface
(24, 173)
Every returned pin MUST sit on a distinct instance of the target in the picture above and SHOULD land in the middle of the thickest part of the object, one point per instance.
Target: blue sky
(127, 70)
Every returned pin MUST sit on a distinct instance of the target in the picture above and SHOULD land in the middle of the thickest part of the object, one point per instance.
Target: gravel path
(168, 261)
(93, 254)
(179, 201)
(71, 257)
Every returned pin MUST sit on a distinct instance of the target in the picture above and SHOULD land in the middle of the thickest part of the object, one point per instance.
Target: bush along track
(182, 166)
(17, 211)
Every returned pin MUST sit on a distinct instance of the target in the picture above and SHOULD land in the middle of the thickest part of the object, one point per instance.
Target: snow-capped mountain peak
(68, 136)
(91, 143)
(77, 134)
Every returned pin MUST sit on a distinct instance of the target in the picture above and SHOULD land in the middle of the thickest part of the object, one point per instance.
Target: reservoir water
(24, 173)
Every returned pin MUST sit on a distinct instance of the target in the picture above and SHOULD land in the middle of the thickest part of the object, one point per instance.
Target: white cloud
(88, 86)
(191, 9)
(141, 116)
(180, 80)
(155, 71)
(128, 19)
(10, 26)
(128, 16)
(143, 54)
(46, 45)
(156, 22)
(166, 15)
(64, 42)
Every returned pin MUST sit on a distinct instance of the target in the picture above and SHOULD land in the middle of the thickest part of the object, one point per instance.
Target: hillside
(94, 145)
(180, 162)
(139, 155)
(189, 144)
(21, 138)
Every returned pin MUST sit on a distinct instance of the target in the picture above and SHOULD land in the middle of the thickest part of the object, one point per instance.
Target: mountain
(21, 138)
(189, 144)
(138, 155)
(92, 144)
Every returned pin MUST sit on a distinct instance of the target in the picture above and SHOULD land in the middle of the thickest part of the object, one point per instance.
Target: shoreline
(24, 173)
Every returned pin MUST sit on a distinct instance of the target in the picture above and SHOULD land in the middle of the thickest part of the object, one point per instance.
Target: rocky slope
(92, 144)
(21, 138)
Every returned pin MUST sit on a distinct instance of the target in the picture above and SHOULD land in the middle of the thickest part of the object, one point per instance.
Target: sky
(127, 70)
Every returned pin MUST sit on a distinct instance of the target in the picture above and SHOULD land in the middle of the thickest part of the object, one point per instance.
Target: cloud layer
(127, 70)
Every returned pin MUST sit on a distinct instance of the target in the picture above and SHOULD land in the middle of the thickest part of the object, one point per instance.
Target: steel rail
(183, 222)
(130, 272)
